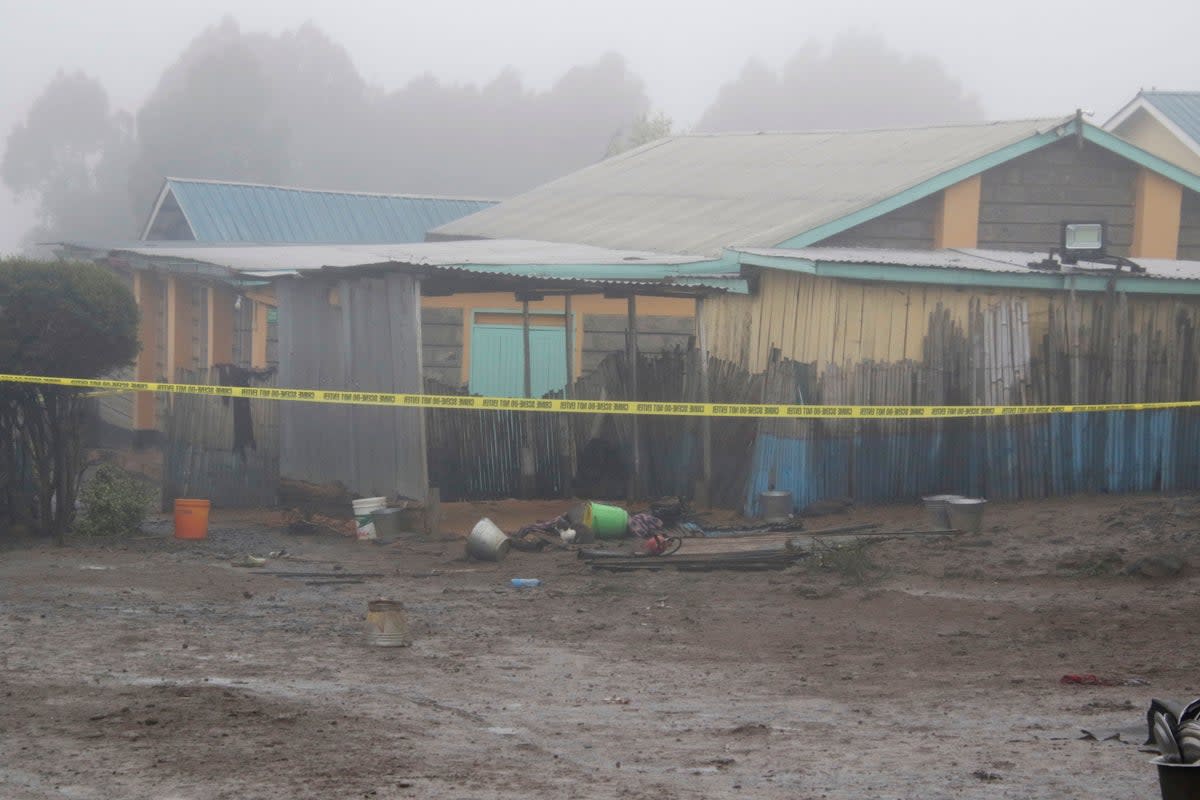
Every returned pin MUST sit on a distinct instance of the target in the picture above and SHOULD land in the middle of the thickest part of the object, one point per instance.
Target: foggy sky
(1022, 57)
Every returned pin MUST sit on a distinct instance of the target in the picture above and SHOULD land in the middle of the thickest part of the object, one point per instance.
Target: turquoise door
(498, 360)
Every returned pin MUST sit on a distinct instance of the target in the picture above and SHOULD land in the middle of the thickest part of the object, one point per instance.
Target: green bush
(851, 560)
(60, 319)
(114, 503)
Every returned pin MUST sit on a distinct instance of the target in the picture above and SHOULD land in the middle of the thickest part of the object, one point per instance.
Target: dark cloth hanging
(243, 423)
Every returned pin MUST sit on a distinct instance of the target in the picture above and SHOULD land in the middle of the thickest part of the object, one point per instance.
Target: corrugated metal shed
(1181, 108)
(701, 193)
(217, 211)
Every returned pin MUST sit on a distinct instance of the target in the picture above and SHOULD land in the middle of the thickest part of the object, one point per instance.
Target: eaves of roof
(975, 269)
(1178, 112)
(1073, 127)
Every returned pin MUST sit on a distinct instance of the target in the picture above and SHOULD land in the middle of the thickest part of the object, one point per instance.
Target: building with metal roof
(226, 211)
(1003, 185)
(490, 263)
(1165, 123)
(205, 304)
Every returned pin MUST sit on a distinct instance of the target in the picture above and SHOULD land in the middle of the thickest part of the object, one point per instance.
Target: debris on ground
(1166, 565)
(312, 522)
(1088, 679)
(826, 508)
(768, 659)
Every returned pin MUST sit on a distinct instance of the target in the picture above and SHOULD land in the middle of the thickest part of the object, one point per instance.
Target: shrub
(62, 319)
(851, 560)
(114, 503)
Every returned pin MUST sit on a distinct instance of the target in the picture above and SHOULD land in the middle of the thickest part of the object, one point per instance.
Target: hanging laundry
(243, 422)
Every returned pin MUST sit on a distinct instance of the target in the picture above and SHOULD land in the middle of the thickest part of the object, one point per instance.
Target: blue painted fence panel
(881, 462)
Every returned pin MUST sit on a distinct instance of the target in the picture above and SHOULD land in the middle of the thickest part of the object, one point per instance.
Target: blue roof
(216, 211)
(1182, 108)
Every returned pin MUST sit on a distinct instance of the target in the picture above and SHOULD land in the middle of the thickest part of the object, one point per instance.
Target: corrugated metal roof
(702, 193)
(496, 257)
(219, 211)
(1182, 108)
(494, 252)
(976, 260)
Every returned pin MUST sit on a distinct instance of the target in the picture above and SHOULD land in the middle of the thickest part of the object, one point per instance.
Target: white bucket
(487, 542)
(362, 515)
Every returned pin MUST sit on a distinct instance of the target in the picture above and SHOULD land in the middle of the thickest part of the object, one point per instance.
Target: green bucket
(606, 522)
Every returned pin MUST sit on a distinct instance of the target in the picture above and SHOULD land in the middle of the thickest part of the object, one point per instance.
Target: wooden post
(569, 333)
(346, 352)
(567, 426)
(528, 365)
(528, 467)
(631, 359)
(147, 291)
(703, 493)
(220, 325)
(258, 334)
(179, 327)
(432, 514)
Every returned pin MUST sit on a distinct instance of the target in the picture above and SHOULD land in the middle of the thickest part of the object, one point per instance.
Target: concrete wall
(1189, 227)
(909, 228)
(1024, 201)
(605, 333)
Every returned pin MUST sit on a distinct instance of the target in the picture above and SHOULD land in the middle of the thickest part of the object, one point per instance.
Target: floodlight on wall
(1082, 240)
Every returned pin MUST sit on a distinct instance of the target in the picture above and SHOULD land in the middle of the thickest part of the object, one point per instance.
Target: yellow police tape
(468, 403)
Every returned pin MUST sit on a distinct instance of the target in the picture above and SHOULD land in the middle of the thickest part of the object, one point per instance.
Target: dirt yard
(152, 668)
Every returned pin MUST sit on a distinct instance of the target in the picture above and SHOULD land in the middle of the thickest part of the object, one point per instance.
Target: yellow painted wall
(581, 305)
(838, 322)
(957, 220)
(1149, 134)
(1157, 205)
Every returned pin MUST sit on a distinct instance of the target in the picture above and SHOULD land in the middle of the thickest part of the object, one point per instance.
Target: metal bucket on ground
(775, 506)
(936, 509)
(362, 515)
(387, 522)
(1177, 781)
(387, 624)
(966, 513)
(487, 542)
(606, 522)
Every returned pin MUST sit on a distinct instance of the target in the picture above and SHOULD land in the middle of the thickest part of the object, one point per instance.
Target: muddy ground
(917, 668)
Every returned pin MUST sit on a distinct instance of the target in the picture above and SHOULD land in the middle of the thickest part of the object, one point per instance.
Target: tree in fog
(501, 138)
(72, 156)
(292, 109)
(858, 82)
(248, 107)
(645, 129)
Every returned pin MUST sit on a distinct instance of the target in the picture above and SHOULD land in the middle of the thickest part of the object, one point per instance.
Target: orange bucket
(191, 519)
